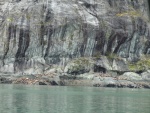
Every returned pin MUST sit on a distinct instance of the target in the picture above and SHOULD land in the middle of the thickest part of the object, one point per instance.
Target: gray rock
(146, 75)
(104, 82)
(113, 73)
(125, 83)
(5, 80)
(110, 82)
(120, 65)
(78, 66)
(112, 64)
(89, 76)
(104, 62)
(36, 35)
(131, 76)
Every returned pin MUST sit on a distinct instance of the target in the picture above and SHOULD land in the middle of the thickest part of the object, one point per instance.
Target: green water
(47, 99)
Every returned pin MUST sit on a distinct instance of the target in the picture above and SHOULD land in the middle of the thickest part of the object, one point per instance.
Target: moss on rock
(142, 64)
(79, 66)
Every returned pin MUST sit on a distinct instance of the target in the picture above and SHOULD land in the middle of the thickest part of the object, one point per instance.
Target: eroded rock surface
(37, 34)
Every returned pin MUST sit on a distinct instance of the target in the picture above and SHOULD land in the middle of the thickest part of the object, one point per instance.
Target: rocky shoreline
(99, 43)
(87, 79)
(100, 72)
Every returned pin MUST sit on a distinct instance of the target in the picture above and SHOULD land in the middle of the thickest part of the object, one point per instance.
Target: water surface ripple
(47, 99)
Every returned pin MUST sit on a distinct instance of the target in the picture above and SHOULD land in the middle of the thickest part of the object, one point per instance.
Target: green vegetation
(97, 55)
(142, 64)
(82, 61)
(110, 56)
(80, 65)
(113, 56)
(133, 13)
(129, 13)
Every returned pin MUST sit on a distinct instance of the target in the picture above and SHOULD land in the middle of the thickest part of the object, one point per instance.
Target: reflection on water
(46, 99)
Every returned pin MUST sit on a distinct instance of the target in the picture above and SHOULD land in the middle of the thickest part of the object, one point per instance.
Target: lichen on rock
(62, 31)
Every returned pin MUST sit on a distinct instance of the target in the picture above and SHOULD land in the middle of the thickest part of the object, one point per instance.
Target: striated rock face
(37, 34)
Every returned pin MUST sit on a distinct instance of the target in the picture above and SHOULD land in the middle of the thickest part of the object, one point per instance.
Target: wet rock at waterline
(95, 80)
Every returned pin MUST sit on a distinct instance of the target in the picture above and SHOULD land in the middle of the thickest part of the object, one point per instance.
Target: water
(47, 99)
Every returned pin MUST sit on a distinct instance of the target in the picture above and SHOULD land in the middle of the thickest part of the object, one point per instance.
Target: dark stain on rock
(7, 43)
(24, 40)
(98, 68)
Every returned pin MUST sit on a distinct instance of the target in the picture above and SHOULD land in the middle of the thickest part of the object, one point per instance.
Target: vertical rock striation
(41, 33)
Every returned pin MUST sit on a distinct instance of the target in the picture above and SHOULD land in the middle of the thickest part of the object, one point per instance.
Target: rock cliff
(38, 35)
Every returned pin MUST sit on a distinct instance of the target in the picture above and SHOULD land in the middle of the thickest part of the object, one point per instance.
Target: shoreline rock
(86, 79)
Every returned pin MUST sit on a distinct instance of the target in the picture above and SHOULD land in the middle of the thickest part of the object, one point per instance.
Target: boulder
(119, 65)
(78, 66)
(5, 80)
(104, 82)
(110, 82)
(105, 63)
(89, 76)
(125, 83)
(146, 75)
(131, 76)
